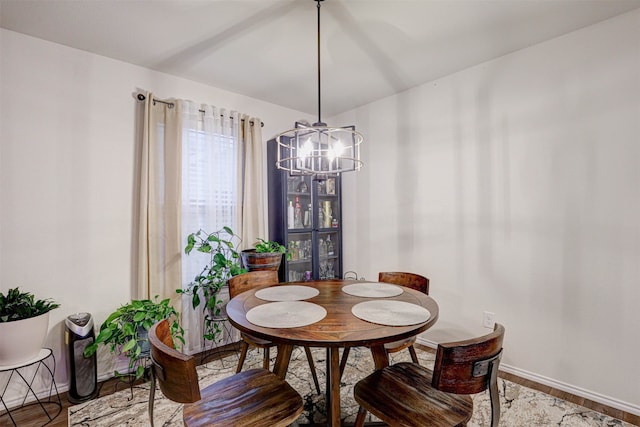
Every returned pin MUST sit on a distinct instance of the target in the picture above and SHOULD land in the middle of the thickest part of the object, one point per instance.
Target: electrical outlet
(488, 319)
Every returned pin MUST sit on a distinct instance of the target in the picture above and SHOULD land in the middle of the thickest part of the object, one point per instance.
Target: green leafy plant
(17, 305)
(223, 263)
(263, 246)
(125, 330)
(269, 246)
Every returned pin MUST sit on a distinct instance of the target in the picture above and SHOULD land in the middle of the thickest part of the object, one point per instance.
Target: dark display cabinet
(305, 214)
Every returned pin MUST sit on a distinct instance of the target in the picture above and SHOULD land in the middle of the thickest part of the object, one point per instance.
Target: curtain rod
(142, 97)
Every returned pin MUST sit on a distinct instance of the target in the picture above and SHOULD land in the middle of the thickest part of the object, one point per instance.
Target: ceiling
(266, 49)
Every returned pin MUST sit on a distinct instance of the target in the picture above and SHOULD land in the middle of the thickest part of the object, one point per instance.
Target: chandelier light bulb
(331, 154)
(338, 148)
(307, 148)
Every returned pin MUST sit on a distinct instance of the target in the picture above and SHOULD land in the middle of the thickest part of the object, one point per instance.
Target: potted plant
(24, 323)
(126, 329)
(267, 255)
(223, 263)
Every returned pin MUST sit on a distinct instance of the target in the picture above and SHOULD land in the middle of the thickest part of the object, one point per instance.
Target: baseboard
(42, 391)
(427, 343)
(569, 388)
(13, 402)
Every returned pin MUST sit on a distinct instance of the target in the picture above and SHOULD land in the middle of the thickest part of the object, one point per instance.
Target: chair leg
(243, 355)
(343, 360)
(362, 413)
(312, 366)
(494, 395)
(152, 396)
(414, 356)
(266, 359)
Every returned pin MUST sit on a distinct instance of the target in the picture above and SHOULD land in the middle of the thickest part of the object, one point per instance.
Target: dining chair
(409, 280)
(250, 280)
(407, 394)
(255, 397)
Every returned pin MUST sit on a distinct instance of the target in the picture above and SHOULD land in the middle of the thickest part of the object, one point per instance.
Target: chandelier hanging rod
(319, 92)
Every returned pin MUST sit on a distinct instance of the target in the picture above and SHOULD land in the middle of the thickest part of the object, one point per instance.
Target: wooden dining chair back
(407, 394)
(252, 398)
(251, 280)
(175, 372)
(409, 280)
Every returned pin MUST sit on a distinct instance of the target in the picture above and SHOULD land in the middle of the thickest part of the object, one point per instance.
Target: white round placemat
(286, 314)
(372, 290)
(287, 293)
(391, 312)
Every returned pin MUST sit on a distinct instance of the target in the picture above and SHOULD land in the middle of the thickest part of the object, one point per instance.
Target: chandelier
(318, 149)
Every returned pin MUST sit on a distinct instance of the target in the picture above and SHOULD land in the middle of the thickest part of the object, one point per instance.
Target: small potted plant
(223, 263)
(267, 255)
(126, 329)
(24, 323)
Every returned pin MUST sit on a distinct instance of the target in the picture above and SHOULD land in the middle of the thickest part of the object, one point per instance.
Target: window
(209, 186)
(210, 198)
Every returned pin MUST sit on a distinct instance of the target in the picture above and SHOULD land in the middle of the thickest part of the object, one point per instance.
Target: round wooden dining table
(340, 328)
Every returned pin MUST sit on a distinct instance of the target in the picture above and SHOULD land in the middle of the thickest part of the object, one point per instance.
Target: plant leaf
(139, 371)
(129, 345)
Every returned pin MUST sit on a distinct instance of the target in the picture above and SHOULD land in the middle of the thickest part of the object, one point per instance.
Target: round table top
(340, 328)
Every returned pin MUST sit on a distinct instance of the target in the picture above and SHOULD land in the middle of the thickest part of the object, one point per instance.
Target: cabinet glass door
(328, 204)
(299, 215)
(328, 247)
(299, 228)
(328, 224)
(300, 247)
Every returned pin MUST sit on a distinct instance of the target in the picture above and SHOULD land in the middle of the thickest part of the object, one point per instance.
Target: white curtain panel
(159, 260)
(211, 193)
(254, 220)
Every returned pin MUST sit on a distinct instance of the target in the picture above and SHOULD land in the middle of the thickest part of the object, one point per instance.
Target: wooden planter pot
(252, 260)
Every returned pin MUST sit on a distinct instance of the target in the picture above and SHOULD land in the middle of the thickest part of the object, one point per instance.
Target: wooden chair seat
(250, 398)
(251, 341)
(255, 341)
(399, 345)
(403, 393)
(407, 394)
(255, 397)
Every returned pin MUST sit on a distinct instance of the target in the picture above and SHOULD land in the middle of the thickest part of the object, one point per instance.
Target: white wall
(515, 187)
(67, 169)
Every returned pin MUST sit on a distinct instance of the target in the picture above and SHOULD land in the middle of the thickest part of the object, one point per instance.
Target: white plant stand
(41, 368)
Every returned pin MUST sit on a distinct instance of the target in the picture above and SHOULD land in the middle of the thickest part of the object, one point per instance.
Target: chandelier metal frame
(318, 149)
